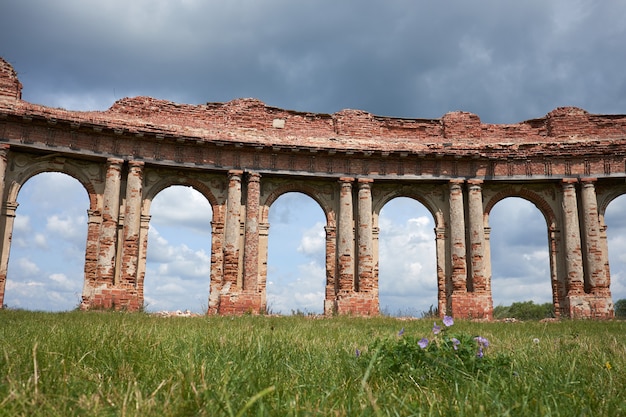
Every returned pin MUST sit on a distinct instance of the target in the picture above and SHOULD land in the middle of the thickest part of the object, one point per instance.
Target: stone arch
(36, 168)
(161, 185)
(308, 190)
(432, 208)
(528, 195)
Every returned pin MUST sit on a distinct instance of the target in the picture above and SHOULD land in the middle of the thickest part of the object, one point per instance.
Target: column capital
(253, 176)
(475, 181)
(235, 174)
(569, 181)
(133, 163)
(344, 180)
(365, 180)
(588, 181)
(115, 161)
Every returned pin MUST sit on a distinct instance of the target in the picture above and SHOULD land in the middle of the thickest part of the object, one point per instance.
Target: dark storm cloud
(505, 61)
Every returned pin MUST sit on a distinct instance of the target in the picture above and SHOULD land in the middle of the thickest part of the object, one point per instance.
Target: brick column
(443, 290)
(94, 224)
(365, 265)
(477, 237)
(232, 228)
(110, 222)
(595, 257)
(132, 224)
(330, 298)
(217, 260)
(143, 252)
(6, 239)
(345, 238)
(4, 149)
(487, 264)
(251, 247)
(8, 217)
(573, 255)
(596, 254)
(559, 291)
(457, 237)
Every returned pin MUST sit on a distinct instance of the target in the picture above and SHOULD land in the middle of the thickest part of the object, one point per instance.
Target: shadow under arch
(46, 264)
(296, 254)
(520, 258)
(178, 263)
(409, 284)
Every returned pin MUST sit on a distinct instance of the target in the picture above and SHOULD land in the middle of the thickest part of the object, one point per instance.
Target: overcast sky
(506, 61)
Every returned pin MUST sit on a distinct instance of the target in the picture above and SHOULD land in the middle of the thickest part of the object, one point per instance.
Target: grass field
(120, 364)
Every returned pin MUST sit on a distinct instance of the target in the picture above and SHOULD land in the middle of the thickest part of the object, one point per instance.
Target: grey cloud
(504, 61)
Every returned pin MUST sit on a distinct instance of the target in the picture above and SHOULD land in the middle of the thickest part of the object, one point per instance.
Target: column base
(116, 299)
(589, 306)
(470, 305)
(357, 304)
(239, 304)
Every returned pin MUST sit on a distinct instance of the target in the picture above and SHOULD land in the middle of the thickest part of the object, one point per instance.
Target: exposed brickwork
(242, 155)
(10, 86)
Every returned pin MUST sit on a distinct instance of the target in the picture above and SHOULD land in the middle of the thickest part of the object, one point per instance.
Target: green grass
(121, 364)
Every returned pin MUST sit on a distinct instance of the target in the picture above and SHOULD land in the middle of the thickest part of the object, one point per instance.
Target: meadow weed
(136, 364)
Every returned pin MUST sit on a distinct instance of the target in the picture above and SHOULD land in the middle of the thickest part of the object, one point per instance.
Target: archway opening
(616, 237)
(520, 264)
(407, 278)
(178, 259)
(47, 258)
(296, 260)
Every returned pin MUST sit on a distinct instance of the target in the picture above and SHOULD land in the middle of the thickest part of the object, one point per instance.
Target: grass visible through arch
(101, 363)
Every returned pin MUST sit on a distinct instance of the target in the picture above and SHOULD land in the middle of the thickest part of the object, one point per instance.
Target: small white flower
(535, 340)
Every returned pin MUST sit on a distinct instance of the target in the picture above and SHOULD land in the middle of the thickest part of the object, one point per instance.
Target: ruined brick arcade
(242, 155)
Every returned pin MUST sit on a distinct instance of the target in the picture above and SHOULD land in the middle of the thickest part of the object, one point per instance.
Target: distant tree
(525, 310)
(501, 312)
(620, 308)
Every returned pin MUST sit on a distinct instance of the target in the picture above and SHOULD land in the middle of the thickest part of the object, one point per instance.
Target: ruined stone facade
(242, 155)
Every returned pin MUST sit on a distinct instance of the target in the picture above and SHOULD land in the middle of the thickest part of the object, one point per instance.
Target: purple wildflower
(401, 332)
(436, 329)
(357, 353)
(423, 343)
(480, 352)
(455, 343)
(448, 321)
(482, 342)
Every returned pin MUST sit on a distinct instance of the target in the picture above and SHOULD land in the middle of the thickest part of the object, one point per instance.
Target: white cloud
(40, 241)
(67, 227)
(313, 240)
(27, 267)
